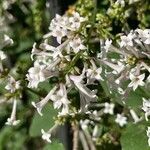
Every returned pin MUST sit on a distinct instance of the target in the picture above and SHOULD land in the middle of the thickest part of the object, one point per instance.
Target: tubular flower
(132, 61)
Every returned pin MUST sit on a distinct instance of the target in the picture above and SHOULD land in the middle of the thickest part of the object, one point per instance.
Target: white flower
(46, 136)
(117, 68)
(39, 106)
(109, 108)
(64, 25)
(77, 80)
(127, 40)
(146, 105)
(146, 108)
(136, 80)
(60, 99)
(59, 33)
(121, 2)
(96, 132)
(121, 91)
(2, 55)
(84, 124)
(12, 120)
(148, 132)
(95, 115)
(75, 21)
(35, 75)
(148, 135)
(8, 40)
(12, 85)
(134, 116)
(133, 48)
(107, 44)
(34, 51)
(59, 21)
(148, 79)
(121, 120)
(94, 73)
(145, 66)
(144, 35)
(76, 45)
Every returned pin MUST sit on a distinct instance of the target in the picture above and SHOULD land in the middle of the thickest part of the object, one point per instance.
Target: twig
(75, 136)
(53, 129)
(83, 140)
(93, 19)
(89, 139)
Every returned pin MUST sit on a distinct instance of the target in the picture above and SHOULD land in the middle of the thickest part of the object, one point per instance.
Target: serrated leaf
(42, 122)
(134, 138)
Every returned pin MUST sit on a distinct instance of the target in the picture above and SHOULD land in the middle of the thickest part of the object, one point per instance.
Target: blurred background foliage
(26, 21)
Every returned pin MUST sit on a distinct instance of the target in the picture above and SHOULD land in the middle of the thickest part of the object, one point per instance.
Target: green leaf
(46, 86)
(134, 99)
(32, 96)
(134, 138)
(42, 122)
(55, 145)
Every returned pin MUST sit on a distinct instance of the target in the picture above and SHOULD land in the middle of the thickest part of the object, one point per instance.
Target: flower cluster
(60, 62)
(65, 30)
(131, 62)
(128, 67)
(12, 86)
(75, 71)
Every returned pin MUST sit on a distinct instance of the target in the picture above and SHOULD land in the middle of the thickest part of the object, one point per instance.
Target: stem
(72, 63)
(95, 10)
(13, 114)
(89, 139)
(53, 129)
(92, 19)
(83, 140)
(75, 136)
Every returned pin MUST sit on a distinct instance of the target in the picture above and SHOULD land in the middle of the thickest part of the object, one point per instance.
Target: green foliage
(134, 138)
(55, 145)
(134, 99)
(42, 122)
(12, 139)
